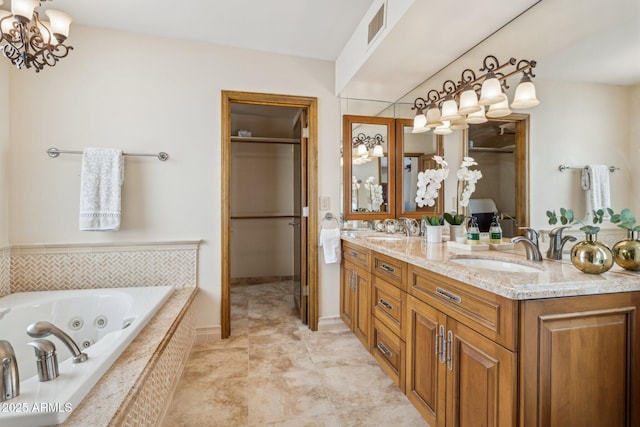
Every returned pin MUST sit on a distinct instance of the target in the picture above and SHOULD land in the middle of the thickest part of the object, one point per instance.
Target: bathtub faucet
(9, 378)
(44, 329)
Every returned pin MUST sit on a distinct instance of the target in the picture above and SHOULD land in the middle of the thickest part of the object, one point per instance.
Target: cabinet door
(362, 307)
(581, 361)
(481, 380)
(425, 374)
(347, 280)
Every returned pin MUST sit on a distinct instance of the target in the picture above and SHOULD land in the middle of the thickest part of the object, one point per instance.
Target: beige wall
(148, 94)
(4, 153)
(634, 149)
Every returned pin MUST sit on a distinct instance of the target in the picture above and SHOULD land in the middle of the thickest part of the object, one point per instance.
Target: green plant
(567, 218)
(625, 219)
(455, 219)
(434, 219)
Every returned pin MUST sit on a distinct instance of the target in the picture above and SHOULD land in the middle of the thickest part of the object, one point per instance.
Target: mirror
(415, 154)
(369, 169)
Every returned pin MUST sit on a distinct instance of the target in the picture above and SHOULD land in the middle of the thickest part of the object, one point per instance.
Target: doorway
(292, 164)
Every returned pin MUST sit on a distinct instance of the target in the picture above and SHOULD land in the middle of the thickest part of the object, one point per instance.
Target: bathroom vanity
(488, 338)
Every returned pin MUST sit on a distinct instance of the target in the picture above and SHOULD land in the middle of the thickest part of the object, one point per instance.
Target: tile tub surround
(555, 279)
(139, 385)
(5, 278)
(83, 266)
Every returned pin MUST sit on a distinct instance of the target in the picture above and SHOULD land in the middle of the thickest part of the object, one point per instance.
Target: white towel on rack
(100, 185)
(330, 243)
(598, 193)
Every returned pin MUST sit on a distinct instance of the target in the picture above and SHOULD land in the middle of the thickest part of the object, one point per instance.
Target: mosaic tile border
(5, 272)
(59, 267)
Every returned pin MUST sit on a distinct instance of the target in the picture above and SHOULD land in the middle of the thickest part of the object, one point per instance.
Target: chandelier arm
(419, 104)
(448, 88)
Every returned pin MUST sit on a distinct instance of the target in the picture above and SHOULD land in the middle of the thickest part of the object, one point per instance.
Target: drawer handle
(355, 254)
(383, 348)
(386, 304)
(387, 268)
(449, 295)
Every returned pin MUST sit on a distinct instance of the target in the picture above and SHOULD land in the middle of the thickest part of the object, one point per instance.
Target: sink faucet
(530, 243)
(9, 377)
(411, 226)
(44, 329)
(557, 242)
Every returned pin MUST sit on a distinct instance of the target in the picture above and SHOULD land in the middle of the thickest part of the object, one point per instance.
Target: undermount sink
(496, 265)
(385, 238)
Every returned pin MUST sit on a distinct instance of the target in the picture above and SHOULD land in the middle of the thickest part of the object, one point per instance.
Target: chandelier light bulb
(525, 96)
(500, 109)
(491, 91)
(468, 102)
(476, 118)
(449, 110)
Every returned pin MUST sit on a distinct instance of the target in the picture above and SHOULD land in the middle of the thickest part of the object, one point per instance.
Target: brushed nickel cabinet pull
(448, 295)
(386, 304)
(387, 268)
(383, 348)
(450, 350)
(442, 352)
(354, 254)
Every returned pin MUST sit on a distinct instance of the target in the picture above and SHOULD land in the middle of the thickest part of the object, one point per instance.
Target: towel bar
(562, 168)
(54, 152)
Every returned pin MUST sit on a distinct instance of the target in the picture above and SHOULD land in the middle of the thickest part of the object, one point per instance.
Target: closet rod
(54, 152)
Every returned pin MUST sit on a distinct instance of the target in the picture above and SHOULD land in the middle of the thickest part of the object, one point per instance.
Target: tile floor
(274, 371)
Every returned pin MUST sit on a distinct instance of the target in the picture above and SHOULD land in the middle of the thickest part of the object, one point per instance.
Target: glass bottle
(473, 233)
(495, 232)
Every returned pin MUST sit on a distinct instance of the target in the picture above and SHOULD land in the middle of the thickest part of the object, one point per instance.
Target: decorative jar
(626, 253)
(591, 256)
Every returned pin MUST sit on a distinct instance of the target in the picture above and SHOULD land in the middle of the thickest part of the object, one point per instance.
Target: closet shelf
(262, 139)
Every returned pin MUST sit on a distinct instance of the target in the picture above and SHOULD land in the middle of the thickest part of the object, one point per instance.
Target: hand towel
(100, 185)
(330, 243)
(599, 193)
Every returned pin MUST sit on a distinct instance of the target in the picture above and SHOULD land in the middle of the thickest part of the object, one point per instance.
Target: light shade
(459, 124)
(525, 96)
(45, 31)
(477, 117)
(443, 129)
(491, 91)
(449, 110)
(362, 150)
(419, 121)
(23, 8)
(7, 24)
(433, 116)
(500, 109)
(60, 23)
(468, 102)
(377, 151)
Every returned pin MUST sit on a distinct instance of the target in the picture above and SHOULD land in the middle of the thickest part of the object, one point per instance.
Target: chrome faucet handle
(9, 376)
(43, 329)
(531, 234)
(46, 359)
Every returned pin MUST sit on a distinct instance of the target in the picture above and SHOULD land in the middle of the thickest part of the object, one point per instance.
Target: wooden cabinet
(580, 361)
(355, 293)
(456, 376)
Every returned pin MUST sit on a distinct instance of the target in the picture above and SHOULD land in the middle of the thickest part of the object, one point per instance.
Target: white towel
(100, 183)
(598, 193)
(330, 243)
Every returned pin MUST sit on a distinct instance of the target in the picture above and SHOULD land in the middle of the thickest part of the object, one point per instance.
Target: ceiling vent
(376, 24)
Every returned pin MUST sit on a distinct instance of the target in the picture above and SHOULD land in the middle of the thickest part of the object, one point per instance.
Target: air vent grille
(376, 24)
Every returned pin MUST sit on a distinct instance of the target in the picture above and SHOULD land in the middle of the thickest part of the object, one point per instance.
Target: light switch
(325, 203)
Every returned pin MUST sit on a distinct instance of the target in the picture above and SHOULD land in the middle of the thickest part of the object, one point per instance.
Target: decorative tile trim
(208, 334)
(5, 271)
(57, 267)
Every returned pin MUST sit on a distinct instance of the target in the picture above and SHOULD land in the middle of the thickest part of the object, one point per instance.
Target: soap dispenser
(473, 233)
(495, 232)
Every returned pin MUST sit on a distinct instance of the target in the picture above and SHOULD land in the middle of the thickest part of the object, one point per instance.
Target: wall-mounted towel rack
(54, 152)
(329, 217)
(562, 168)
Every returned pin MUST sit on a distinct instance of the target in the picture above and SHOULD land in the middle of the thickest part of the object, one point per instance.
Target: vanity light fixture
(366, 147)
(457, 105)
(27, 41)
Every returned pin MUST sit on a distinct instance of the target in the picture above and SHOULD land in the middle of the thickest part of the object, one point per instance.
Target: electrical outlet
(325, 203)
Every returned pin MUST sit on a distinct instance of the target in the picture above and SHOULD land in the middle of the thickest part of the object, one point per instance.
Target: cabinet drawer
(389, 350)
(356, 254)
(390, 269)
(489, 314)
(388, 304)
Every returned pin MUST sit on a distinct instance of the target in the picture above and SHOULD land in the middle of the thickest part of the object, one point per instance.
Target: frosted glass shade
(7, 24)
(419, 121)
(459, 124)
(525, 96)
(23, 8)
(60, 23)
(433, 117)
(443, 129)
(500, 109)
(377, 151)
(477, 117)
(45, 31)
(491, 91)
(468, 102)
(449, 110)
(362, 150)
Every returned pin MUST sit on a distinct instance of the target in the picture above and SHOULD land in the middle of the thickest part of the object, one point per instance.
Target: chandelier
(27, 41)
(366, 147)
(457, 105)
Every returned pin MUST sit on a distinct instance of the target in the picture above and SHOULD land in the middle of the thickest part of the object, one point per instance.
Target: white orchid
(430, 181)
(355, 184)
(467, 180)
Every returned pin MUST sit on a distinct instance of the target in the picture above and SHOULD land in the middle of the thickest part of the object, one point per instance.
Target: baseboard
(258, 280)
(330, 323)
(208, 334)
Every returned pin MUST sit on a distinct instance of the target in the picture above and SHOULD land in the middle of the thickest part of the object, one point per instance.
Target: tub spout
(9, 377)
(44, 329)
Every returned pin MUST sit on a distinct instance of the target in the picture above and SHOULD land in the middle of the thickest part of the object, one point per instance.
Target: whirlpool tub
(103, 322)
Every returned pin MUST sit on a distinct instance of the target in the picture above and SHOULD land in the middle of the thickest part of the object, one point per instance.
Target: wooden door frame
(311, 104)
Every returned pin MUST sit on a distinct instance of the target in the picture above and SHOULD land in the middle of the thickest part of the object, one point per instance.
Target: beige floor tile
(322, 421)
(216, 363)
(337, 348)
(273, 359)
(382, 414)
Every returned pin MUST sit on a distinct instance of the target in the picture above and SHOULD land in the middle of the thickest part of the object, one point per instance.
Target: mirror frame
(347, 122)
(438, 208)
(521, 164)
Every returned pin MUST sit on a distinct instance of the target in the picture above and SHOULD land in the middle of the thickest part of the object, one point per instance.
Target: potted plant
(433, 228)
(589, 255)
(626, 253)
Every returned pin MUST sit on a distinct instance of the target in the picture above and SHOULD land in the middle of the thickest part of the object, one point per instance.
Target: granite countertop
(554, 279)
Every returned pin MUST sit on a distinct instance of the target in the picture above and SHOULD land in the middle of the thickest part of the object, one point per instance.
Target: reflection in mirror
(415, 154)
(368, 167)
